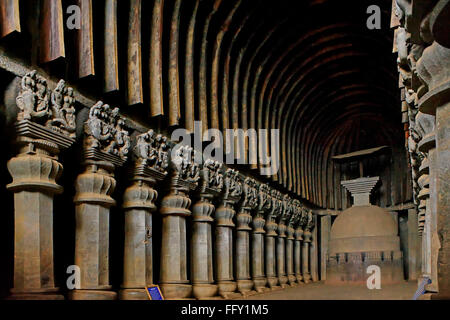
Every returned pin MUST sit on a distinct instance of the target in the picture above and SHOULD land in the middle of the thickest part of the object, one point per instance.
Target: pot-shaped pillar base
(245, 286)
(227, 288)
(201, 291)
(176, 291)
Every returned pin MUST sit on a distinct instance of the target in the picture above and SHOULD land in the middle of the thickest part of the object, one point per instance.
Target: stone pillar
(270, 239)
(258, 274)
(434, 99)
(314, 254)
(151, 162)
(34, 189)
(202, 254)
(174, 210)
(243, 218)
(305, 256)
(325, 228)
(297, 253)
(307, 235)
(281, 257)
(35, 171)
(270, 254)
(441, 241)
(435, 242)
(224, 234)
(106, 145)
(258, 232)
(290, 255)
(286, 211)
(413, 245)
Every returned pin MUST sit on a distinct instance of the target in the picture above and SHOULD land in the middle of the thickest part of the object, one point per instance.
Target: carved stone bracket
(54, 110)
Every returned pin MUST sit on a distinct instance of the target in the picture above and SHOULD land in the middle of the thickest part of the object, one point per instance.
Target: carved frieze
(232, 192)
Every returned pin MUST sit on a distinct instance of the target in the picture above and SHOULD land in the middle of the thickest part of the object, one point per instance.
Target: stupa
(362, 236)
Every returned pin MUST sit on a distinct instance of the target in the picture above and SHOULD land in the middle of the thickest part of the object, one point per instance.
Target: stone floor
(320, 291)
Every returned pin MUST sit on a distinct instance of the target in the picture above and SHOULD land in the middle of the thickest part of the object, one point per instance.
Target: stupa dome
(364, 229)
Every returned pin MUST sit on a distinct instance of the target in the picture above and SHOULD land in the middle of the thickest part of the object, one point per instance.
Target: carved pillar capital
(35, 169)
(211, 184)
(96, 184)
(185, 176)
(232, 192)
(249, 203)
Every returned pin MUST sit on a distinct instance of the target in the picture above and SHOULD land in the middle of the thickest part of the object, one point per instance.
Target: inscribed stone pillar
(202, 253)
(151, 158)
(271, 235)
(106, 146)
(174, 209)
(43, 130)
(244, 218)
(258, 274)
(224, 234)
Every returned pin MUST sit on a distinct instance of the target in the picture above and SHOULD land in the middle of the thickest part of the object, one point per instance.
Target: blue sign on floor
(154, 293)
